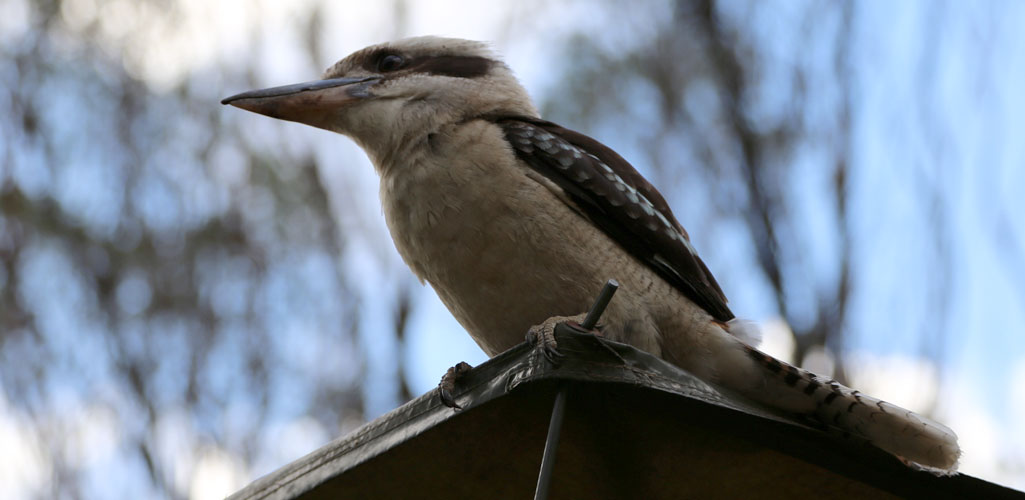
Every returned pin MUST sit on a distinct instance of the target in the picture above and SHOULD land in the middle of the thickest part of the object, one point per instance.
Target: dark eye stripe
(455, 66)
(446, 65)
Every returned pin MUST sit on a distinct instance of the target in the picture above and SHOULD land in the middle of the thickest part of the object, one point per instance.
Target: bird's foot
(447, 386)
(542, 336)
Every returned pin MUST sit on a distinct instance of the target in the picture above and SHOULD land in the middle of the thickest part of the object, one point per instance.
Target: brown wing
(617, 199)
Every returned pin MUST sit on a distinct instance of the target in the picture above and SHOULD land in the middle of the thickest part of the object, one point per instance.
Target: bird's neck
(422, 133)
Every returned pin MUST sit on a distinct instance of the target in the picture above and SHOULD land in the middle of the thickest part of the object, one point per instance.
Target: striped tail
(904, 433)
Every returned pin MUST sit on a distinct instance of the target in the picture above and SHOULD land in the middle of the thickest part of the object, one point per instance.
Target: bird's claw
(542, 336)
(447, 386)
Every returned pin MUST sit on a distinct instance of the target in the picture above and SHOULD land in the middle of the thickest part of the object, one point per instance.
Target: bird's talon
(553, 355)
(447, 386)
(448, 400)
(542, 336)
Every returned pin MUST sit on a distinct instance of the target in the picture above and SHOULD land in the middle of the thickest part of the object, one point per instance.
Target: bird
(516, 221)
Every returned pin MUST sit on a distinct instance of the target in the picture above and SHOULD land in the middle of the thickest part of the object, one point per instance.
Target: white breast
(502, 250)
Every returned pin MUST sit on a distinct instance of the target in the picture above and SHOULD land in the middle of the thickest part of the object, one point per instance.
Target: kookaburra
(514, 220)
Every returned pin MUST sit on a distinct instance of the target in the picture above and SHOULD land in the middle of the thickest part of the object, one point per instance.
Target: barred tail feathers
(909, 436)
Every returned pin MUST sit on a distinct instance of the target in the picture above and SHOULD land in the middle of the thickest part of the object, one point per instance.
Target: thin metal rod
(604, 297)
(544, 479)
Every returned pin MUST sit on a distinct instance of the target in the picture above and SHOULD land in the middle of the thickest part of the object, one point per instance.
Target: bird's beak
(313, 103)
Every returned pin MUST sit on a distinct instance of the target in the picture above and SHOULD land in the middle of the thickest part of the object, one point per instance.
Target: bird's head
(387, 95)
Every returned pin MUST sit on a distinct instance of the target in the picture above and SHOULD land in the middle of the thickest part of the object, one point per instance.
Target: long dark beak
(313, 103)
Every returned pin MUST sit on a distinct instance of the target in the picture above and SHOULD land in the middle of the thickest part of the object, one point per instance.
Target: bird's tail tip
(911, 437)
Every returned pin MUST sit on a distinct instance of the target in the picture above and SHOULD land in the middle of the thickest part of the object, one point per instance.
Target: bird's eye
(390, 62)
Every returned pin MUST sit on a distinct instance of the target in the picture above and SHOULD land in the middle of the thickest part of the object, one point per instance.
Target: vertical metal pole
(544, 478)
